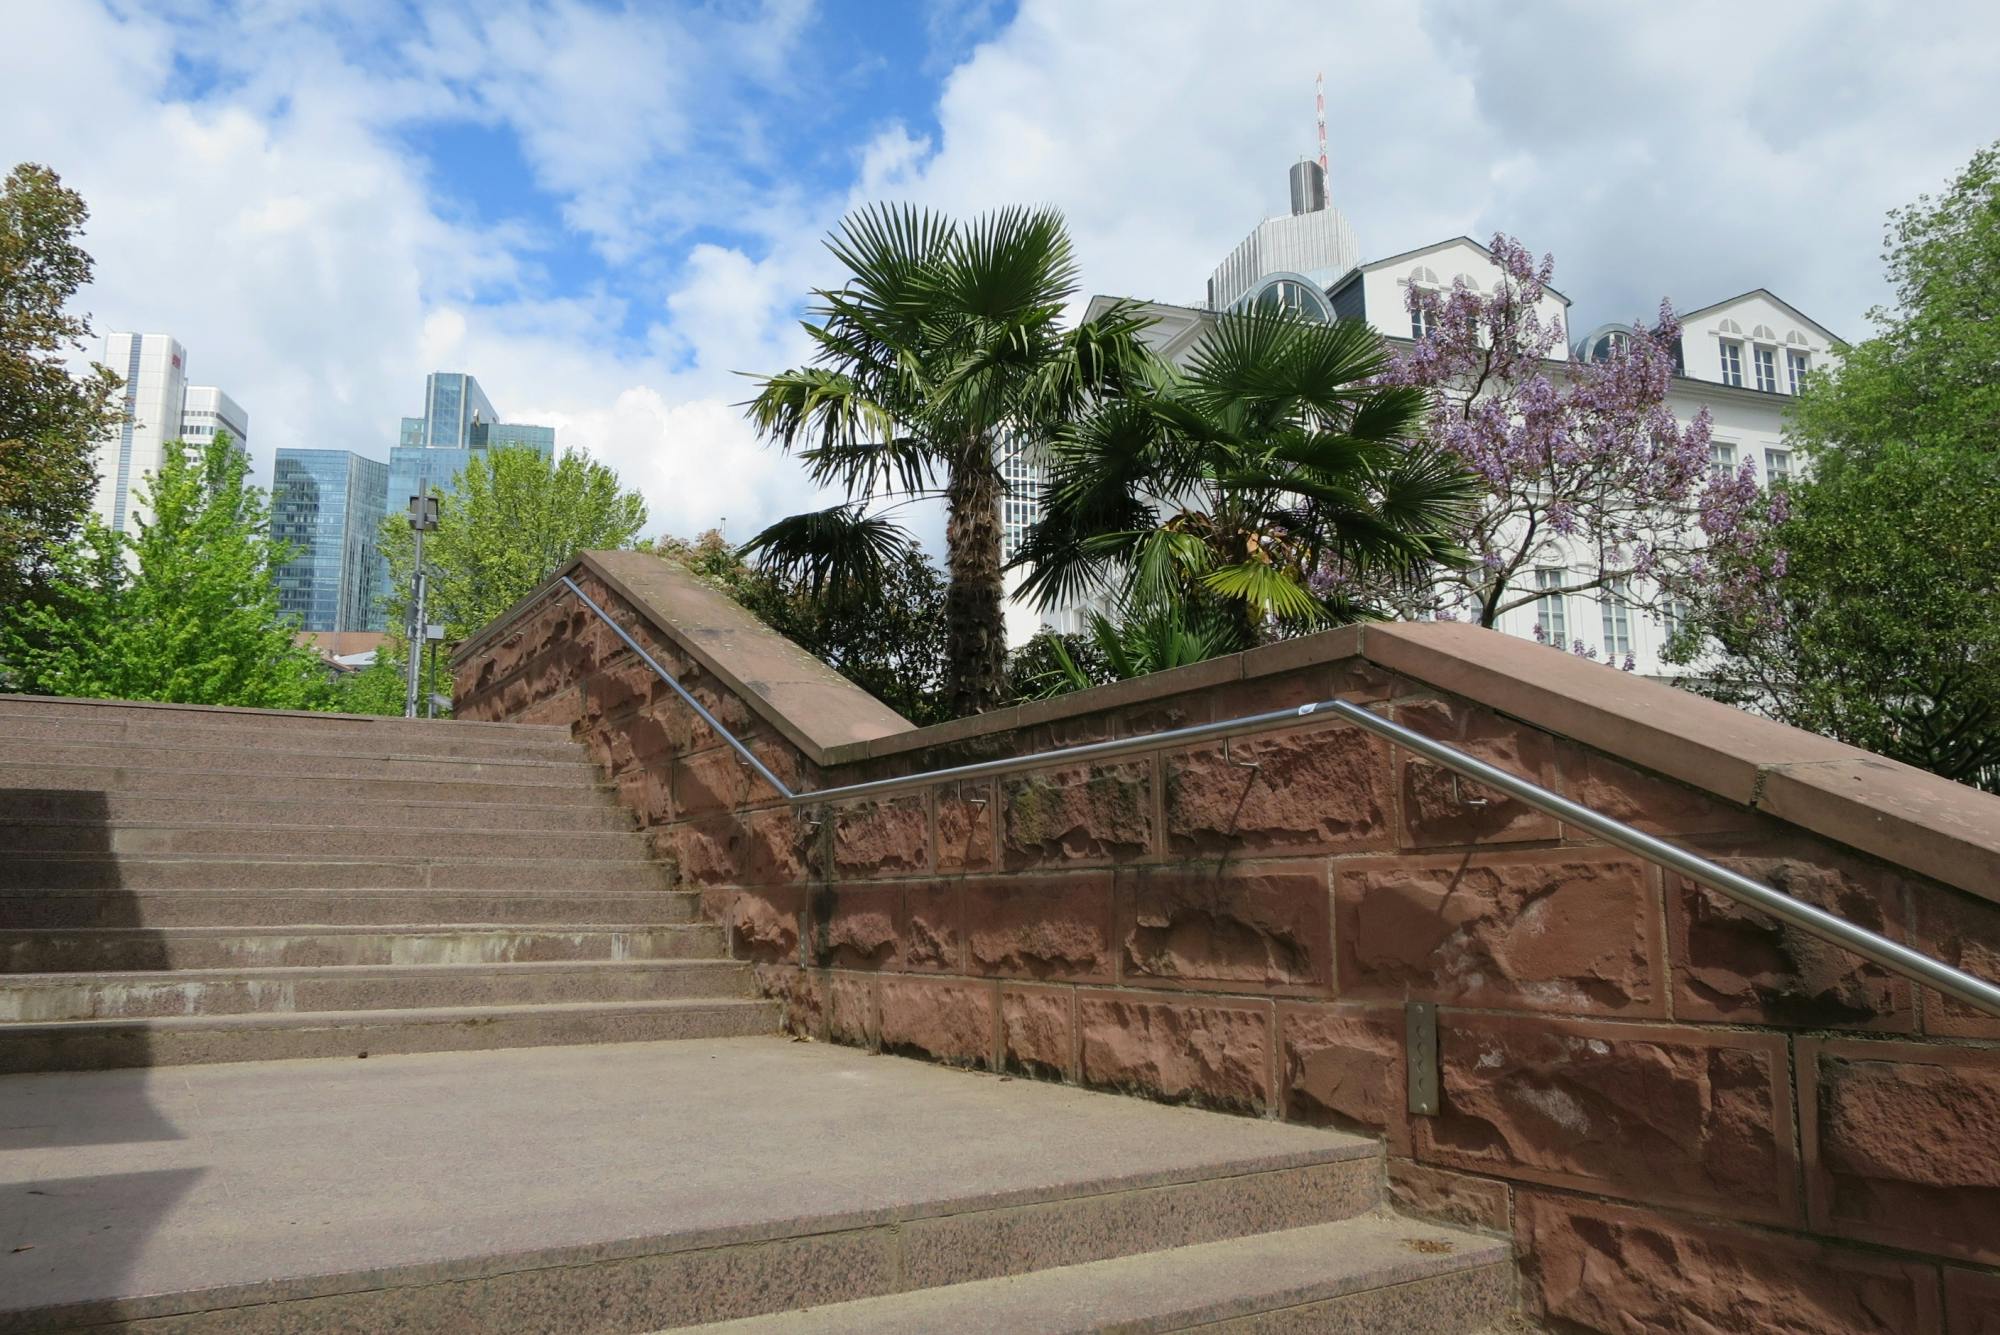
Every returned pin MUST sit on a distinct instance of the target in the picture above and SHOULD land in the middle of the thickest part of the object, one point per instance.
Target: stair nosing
(581, 759)
(250, 972)
(421, 1014)
(597, 784)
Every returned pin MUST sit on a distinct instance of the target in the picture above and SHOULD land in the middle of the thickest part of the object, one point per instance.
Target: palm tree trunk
(975, 626)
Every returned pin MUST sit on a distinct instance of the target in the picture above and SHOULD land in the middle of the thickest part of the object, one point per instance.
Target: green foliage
(516, 518)
(887, 638)
(50, 420)
(382, 686)
(186, 613)
(1165, 636)
(1872, 612)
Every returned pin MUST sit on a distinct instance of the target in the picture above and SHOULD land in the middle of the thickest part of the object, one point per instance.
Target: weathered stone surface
(1040, 926)
(1656, 1113)
(1343, 1066)
(1963, 931)
(1264, 924)
(1330, 788)
(1735, 964)
(882, 838)
(1441, 809)
(1212, 1054)
(764, 847)
(801, 992)
(965, 839)
(715, 779)
(852, 1016)
(762, 924)
(1452, 1198)
(857, 927)
(1100, 814)
(1563, 930)
(943, 1019)
(1036, 1030)
(1613, 788)
(647, 794)
(1607, 1268)
(1971, 1302)
(1902, 1144)
(933, 939)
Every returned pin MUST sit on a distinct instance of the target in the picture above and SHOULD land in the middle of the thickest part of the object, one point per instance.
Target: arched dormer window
(1796, 339)
(1424, 276)
(1765, 332)
(1730, 327)
(1470, 283)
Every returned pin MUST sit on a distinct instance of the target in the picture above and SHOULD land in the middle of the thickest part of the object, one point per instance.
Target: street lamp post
(423, 518)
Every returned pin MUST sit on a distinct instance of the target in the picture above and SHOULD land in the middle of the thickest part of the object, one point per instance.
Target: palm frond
(838, 549)
(1267, 589)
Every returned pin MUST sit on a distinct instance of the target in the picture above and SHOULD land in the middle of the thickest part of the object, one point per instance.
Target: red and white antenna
(1319, 108)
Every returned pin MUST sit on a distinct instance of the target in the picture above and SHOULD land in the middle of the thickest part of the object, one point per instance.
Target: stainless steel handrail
(1892, 955)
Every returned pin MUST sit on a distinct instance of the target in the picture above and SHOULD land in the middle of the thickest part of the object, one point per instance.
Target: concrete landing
(334, 1191)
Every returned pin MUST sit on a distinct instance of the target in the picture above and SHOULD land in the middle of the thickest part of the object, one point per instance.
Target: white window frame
(1765, 363)
(1616, 612)
(1722, 460)
(1732, 361)
(1798, 362)
(1551, 609)
(1777, 465)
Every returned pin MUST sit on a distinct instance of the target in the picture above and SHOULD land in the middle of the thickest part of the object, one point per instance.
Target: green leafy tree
(514, 520)
(1869, 609)
(1254, 487)
(187, 612)
(887, 639)
(382, 686)
(50, 420)
(945, 343)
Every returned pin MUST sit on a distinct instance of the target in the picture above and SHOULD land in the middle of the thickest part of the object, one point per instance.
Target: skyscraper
(329, 505)
(458, 421)
(160, 406)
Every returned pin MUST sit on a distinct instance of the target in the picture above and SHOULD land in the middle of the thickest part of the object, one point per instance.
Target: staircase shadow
(91, 1167)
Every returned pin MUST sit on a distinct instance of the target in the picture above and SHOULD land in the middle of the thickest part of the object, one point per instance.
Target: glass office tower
(329, 505)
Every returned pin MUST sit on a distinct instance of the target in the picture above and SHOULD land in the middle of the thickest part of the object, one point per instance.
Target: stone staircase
(197, 885)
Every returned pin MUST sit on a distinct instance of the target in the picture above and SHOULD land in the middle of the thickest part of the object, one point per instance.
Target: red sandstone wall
(1688, 1116)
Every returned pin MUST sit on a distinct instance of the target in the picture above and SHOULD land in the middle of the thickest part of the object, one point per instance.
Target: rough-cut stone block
(1040, 926)
(801, 993)
(1100, 814)
(933, 937)
(1604, 1267)
(1902, 1144)
(1656, 1113)
(1036, 1030)
(1261, 924)
(1613, 788)
(1216, 1055)
(1452, 1198)
(1735, 964)
(1963, 931)
(1324, 788)
(1440, 809)
(1574, 930)
(882, 838)
(1343, 1066)
(762, 924)
(715, 779)
(857, 927)
(852, 1016)
(943, 1019)
(765, 847)
(1971, 1302)
(965, 839)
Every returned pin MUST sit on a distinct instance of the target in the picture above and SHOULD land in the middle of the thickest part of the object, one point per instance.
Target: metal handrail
(1873, 946)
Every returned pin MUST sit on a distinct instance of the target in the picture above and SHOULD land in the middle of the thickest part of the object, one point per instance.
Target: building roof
(1371, 265)
(1775, 300)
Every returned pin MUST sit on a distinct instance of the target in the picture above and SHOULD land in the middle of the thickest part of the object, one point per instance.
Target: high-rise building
(1286, 263)
(160, 406)
(329, 505)
(207, 410)
(459, 421)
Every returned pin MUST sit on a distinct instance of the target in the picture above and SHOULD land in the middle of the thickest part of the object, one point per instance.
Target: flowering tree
(1587, 472)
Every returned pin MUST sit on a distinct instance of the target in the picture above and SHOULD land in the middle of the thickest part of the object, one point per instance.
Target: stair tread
(128, 976)
(1165, 1290)
(406, 1015)
(278, 769)
(39, 706)
(374, 929)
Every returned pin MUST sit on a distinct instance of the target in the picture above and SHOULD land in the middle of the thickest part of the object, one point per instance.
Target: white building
(208, 410)
(1742, 359)
(160, 406)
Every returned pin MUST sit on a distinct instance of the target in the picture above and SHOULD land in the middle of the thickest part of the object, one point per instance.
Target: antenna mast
(1319, 108)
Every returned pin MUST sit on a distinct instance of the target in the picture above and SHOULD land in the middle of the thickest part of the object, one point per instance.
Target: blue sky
(605, 209)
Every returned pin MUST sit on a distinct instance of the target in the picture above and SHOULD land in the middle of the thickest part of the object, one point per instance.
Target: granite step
(125, 949)
(272, 871)
(44, 998)
(1376, 1272)
(127, 838)
(290, 785)
(227, 716)
(427, 738)
(248, 756)
(92, 1045)
(416, 907)
(125, 808)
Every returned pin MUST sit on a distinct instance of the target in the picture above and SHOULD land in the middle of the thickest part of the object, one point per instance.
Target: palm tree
(1264, 483)
(944, 344)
